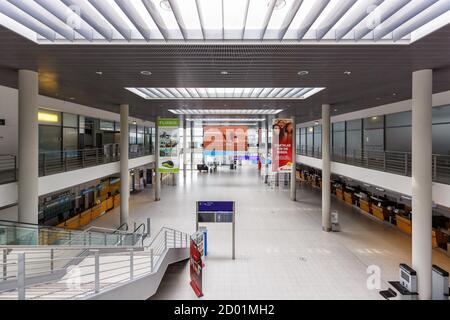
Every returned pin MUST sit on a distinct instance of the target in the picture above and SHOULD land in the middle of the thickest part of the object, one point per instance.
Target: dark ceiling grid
(377, 71)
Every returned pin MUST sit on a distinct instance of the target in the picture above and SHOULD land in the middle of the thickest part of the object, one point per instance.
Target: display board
(218, 212)
(282, 139)
(196, 264)
(225, 139)
(169, 161)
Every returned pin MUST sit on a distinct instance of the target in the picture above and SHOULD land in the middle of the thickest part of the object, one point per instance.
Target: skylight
(225, 93)
(219, 21)
(226, 111)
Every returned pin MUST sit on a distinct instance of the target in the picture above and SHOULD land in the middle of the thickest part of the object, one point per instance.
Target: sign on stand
(196, 263)
(218, 212)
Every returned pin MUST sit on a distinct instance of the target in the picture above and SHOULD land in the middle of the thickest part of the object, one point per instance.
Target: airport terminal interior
(224, 149)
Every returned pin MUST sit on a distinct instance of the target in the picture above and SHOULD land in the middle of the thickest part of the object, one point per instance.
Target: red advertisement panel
(195, 267)
(282, 138)
(223, 138)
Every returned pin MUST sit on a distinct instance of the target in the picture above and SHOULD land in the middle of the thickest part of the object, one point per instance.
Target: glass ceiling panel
(223, 93)
(203, 21)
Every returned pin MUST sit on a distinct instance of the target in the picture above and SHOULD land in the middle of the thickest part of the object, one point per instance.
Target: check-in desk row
(86, 217)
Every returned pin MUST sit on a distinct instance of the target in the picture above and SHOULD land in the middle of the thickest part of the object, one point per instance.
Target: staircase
(121, 267)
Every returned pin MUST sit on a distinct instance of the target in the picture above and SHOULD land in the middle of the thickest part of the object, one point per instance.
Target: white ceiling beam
(113, 17)
(378, 16)
(421, 19)
(267, 17)
(333, 17)
(132, 14)
(93, 18)
(45, 17)
(28, 21)
(358, 13)
(289, 17)
(179, 18)
(401, 16)
(153, 11)
(314, 13)
(68, 17)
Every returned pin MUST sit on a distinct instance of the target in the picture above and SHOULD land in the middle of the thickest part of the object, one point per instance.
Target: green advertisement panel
(169, 160)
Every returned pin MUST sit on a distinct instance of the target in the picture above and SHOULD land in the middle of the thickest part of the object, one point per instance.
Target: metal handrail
(396, 162)
(137, 267)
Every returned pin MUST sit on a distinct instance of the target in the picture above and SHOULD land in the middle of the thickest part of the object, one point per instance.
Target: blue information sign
(215, 206)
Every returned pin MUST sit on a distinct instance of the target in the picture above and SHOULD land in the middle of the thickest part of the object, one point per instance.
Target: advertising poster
(282, 138)
(225, 139)
(168, 145)
(195, 269)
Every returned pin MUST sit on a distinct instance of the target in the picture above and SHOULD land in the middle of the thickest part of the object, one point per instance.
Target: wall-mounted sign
(168, 145)
(282, 138)
(196, 264)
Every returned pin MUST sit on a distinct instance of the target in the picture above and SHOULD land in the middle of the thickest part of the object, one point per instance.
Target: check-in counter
(109, 203)
(404, 224)
(117, 200)
(349, 197)
(339, 193)
(85, 217)
(364, 205)
(73, 223)
(98, 210)
(378, 212)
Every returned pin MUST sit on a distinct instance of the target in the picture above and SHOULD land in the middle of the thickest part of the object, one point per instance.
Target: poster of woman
(283, 131)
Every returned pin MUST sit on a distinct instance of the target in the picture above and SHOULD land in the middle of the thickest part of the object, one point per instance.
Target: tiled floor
(281, 251)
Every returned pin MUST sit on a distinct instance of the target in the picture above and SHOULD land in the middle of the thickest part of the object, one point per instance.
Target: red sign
(223, 138)
(195, 267)
(282, 138)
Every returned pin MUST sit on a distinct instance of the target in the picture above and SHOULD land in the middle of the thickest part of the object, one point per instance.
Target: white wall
(388, 181)
(9, 111)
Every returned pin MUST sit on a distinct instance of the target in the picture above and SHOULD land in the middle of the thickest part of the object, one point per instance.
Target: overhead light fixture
(303, 73)
(225, 93)
(134, 122)
(224, 72)
(146, 73)
(99, 73)
(336, 110)
(347, 73)
(394, 94)
(225, 111)
(72, 98)
(48, 117)
(279, 4)
(374, 118)
(316, 123)
(165, 4)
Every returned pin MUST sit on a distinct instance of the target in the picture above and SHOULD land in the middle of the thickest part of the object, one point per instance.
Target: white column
(28, 146)
(192, 146)
(268, 122)
(158, 174)
(124, 168)
(326, 169)
(185, 144)
(294, 163)
(422, 179)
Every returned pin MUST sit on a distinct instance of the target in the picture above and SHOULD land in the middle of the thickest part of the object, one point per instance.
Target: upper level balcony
(387, 161)
(51, 163)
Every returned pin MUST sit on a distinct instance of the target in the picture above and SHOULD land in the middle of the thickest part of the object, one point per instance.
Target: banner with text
(282, 138)
(168, 145)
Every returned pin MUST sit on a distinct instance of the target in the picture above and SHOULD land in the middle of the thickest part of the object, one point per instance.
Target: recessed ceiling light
(378, 98)
(165, 4)
(347, 73)
(72, 98)
(134, 122)
(336, 110)
(394, 94)
(316, 123)
(99, 73)
(303, 73)
(224, 72)
(279, 4)
(146, 73)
